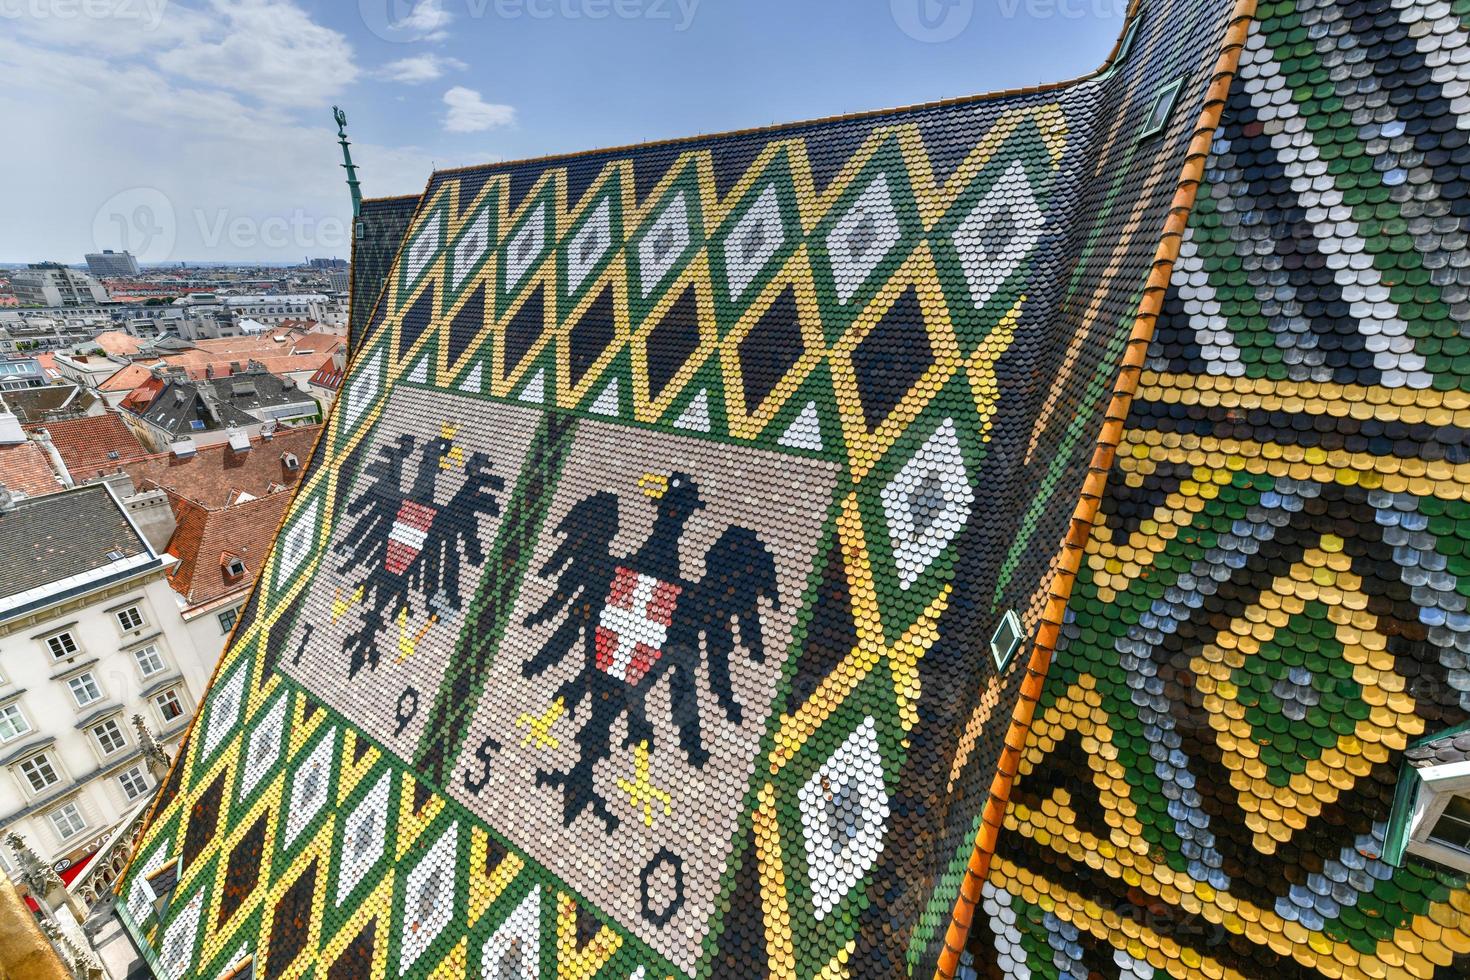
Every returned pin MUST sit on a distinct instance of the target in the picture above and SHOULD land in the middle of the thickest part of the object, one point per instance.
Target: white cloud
(270, 50)
(426, 21)
(222, 112)
(469, 113)
(419, 68)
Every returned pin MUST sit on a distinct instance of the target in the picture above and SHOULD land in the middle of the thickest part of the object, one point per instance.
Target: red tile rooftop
(216, 475)
(25, 467)
(206, 538)
(126, 379)
(93, 445)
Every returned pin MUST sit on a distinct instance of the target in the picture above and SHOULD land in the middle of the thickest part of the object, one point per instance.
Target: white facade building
(110, 263)
(271, 310)
(87, 640)
(53, 284)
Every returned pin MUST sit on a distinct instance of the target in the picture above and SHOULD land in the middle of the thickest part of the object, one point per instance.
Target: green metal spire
(352, 181)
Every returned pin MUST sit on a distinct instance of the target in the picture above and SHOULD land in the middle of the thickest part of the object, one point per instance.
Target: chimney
(57, 463)
(10, 431)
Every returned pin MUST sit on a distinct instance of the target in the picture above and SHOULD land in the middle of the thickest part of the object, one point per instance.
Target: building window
(84, 689)
(227, 620)
(168, 705)
(1160, 109)
(133, 782)
(1005, 640)
(109, 736)
(13, 722)
(62, 645)
(1452, 829)
(129, 618)
(149, 661)
(1431, 814)
(39, 772)
(67, 820)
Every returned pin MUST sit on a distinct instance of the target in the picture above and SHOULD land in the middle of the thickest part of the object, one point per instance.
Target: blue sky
(201, 130)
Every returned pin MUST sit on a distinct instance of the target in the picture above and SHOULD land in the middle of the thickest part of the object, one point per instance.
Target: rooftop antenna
(352, 181)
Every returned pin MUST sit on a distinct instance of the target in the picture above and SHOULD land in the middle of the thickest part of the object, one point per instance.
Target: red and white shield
(406, 540)
(634, 624)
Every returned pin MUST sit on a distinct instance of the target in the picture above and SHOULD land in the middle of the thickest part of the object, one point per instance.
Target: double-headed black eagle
(406, 543)
(638, 618)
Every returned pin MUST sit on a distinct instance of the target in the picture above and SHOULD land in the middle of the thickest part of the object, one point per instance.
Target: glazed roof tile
(877, 355)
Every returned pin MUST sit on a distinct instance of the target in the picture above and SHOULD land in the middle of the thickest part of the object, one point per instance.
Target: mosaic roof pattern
(377, 235)
(1272, 608)
(632, 618)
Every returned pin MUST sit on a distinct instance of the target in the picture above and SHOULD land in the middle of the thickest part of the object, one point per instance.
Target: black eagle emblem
(637, 618)
(405, 543)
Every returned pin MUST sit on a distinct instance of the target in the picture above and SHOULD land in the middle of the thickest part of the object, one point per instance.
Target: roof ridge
(1090, 496)
(1128, 22)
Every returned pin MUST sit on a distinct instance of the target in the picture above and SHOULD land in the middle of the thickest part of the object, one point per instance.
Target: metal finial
(340, 118)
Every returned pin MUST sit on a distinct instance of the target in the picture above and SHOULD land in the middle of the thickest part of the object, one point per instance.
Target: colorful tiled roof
(380, 228)
(1272, 605)
(635, 617)
(93, 445)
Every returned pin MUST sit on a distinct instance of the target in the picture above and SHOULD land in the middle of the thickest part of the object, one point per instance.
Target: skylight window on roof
(1128, 38)
(1452, 829)
(1006, 639)
(1161, 109)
